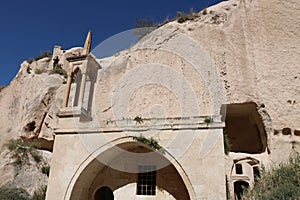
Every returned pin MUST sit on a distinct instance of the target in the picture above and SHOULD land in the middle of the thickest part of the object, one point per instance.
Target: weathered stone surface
(29, 106)
(253, 45)
(27, 175)
(251, 48)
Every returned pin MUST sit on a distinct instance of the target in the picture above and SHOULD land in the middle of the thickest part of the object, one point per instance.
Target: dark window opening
(146, 184)
(256, 173)
(104, 193)
(238, 169)
(77, 77)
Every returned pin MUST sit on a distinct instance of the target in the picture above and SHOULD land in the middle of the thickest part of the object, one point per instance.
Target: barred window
(146, 184)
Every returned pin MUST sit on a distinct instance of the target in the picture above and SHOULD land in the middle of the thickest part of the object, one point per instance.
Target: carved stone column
(82, 90)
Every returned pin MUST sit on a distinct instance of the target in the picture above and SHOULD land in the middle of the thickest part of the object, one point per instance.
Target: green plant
(21, 150)
(283, 182)
(138, 119)
(40, 194)
(167, 20)
(152, 143)
(59, 70)
(209, 120)
(46, 170)
(227, 144)
(44, 55)
(13, 193)
(141, 23)
(39, 70)
(144, 27)
(36, 156)
(182, 17)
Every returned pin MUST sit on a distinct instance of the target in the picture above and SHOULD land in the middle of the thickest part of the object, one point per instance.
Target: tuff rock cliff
(29, 106)
(252, 43)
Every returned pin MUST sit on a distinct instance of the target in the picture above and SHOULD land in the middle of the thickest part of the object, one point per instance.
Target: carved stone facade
(232, 78)
(96, 156)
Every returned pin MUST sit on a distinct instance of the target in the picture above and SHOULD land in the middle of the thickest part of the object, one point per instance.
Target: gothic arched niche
(77, 77)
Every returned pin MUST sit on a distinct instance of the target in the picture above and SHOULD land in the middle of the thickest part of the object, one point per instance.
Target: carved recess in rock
(245, 128)
(297, 132)
(32, 130)
(286, 131)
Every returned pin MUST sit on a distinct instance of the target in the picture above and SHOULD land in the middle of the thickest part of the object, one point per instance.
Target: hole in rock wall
(29, 127)
(286, 131)
(244, 127)
(276, 132)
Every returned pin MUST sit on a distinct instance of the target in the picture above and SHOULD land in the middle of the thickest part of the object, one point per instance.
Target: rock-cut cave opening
(244, 128)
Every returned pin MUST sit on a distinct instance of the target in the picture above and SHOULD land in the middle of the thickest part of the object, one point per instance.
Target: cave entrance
(239, 188)
(244, 128)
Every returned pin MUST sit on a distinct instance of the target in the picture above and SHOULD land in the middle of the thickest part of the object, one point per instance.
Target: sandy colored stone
(236, 52)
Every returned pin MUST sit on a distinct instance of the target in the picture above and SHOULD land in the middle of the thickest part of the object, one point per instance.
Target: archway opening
(104, 193)
(77, 78)
(239, 188)
(244, 128)
(159, 182)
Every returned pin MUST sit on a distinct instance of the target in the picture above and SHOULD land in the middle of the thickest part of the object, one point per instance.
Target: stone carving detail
(83, 68)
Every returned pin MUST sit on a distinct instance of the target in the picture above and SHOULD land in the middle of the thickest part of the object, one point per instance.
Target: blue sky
(31, 27)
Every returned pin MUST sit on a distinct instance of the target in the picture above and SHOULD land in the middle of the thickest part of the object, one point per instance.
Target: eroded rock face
(253, 47)
(30, 103)
(27, 175)
(29, 107)
(27, 102)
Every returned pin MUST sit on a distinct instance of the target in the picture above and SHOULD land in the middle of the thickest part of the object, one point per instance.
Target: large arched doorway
(155, 182)
(104, 193)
